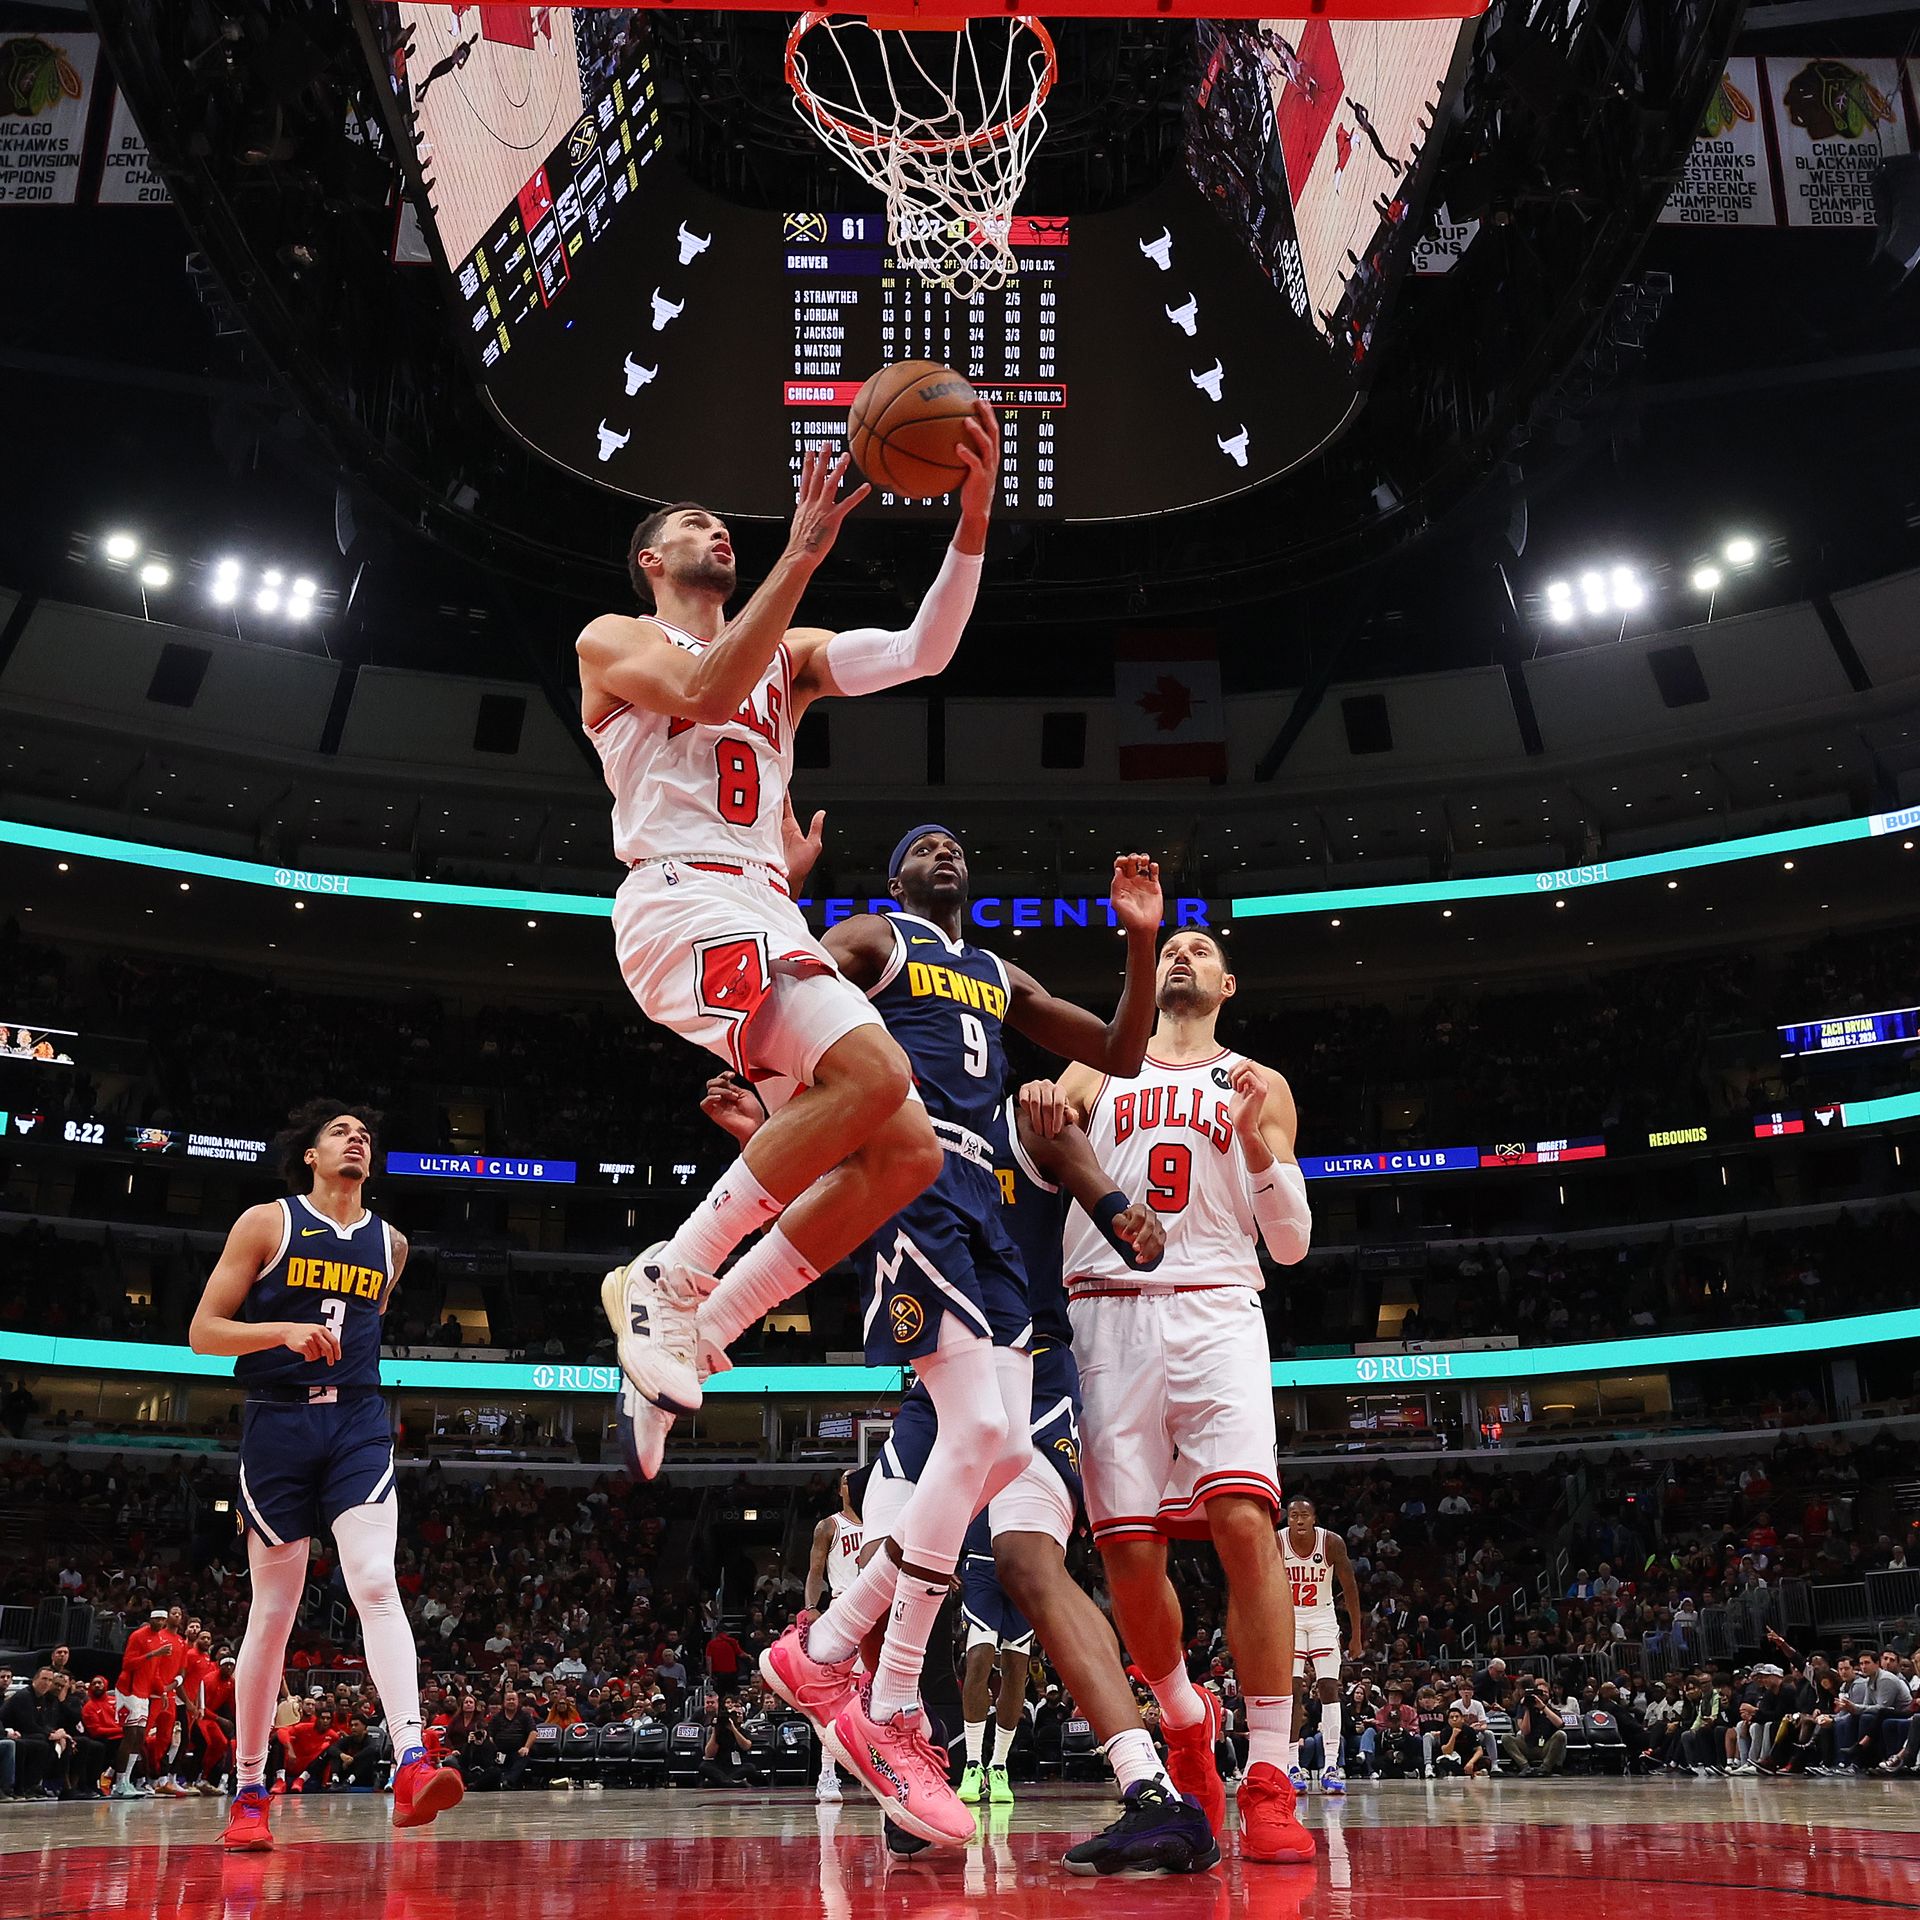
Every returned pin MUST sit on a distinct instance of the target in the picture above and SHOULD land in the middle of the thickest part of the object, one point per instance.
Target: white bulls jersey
(843, 1556)
(1310, 1574)
(700, 792)
(1164, 1137)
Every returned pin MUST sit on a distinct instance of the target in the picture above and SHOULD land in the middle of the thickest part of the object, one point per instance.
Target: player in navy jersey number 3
(297, 1297)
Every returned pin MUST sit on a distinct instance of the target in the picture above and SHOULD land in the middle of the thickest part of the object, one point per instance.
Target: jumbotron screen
(667, 344)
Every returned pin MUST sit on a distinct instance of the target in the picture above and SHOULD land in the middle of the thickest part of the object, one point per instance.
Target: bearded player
(693, 715)
(1174, 1366)
(298, 1295)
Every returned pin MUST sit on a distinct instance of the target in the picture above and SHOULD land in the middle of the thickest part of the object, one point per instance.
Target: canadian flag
(1169, 720)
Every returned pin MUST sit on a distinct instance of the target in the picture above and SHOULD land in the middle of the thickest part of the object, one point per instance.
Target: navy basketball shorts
(948, 1252)
(992, 1619)
(303, 1465)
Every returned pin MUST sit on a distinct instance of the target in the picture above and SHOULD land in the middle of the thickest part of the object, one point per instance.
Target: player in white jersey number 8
(693, 715)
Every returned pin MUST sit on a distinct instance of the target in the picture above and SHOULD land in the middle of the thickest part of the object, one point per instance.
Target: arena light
(267, 600)
(1593, 590)
(1628, 593)
(1705, 579)
(120, 547)
(226, 592)
(273, 577)
(228, 569)
(303, 588)
(1742, 550)
(155, 574)
(298, 608)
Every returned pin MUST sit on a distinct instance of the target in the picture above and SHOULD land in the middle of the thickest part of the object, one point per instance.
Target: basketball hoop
(942, 116)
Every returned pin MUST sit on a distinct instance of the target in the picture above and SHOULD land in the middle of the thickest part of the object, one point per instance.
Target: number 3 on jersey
(1169, 1178)
(738, 798)
(334, 1313)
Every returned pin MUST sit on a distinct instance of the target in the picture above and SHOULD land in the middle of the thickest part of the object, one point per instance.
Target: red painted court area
(1719, 1855)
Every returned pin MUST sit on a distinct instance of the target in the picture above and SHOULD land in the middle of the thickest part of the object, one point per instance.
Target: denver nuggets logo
(908, 1319)
(1068, 1449)
(804, 229)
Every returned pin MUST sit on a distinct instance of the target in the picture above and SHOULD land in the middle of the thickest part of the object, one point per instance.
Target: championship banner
(127, 178)
(1834, 120)
(46, 89)
(1726, 181)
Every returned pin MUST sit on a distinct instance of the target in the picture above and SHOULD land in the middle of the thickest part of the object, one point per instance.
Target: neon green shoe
(999, 1787)
(970, 1784)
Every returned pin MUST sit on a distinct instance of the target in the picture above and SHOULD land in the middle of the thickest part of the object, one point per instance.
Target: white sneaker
(650, 1304)
(828, 1790)
(643, 1433)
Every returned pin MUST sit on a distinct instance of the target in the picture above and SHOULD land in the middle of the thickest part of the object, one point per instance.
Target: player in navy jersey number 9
(297, 1298)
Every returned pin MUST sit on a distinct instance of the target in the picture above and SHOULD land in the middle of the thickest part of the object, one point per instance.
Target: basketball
(906, 425)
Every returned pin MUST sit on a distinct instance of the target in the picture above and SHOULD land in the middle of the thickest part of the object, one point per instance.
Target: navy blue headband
(905, 847)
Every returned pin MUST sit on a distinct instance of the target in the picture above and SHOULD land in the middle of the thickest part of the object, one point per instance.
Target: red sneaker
(247, 1828)
(421, 1791)
(1190, 1761)
(821, 1689)
(1268, 1828)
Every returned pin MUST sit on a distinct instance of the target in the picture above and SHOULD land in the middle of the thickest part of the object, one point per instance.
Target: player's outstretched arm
(251, 1243)
(633, 660)
(1120, 1044)
(1261, 1112)
(869, 659)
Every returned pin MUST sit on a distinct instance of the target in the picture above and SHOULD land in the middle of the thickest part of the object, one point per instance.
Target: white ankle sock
(1002, 1740)
(837, 1634)
(896, 1680)
(1269, 1717)
(736, 1206)
(765, 1276)
(1131, 1755)
(1180, 1702)
(976, 1741)
(1332, 1728)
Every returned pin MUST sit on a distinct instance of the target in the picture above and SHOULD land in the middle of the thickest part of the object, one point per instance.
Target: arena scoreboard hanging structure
(667, 343)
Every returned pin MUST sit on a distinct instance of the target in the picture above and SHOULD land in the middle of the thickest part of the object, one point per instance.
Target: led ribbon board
(1347, 1370)
(1560, 880)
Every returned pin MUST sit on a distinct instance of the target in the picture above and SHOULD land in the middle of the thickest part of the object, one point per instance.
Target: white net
(944, 121)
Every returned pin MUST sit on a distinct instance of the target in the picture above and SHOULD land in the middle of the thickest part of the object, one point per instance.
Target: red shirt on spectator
(101, 1717)
(1762, 1537)
(140, 1661)
(218, 1695)
(724, 1654)
(305, 1740)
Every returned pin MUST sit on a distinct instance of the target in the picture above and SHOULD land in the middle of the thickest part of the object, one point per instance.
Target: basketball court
(1590, 1851)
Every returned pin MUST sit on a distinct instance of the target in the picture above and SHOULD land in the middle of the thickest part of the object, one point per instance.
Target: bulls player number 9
(1169, 1178)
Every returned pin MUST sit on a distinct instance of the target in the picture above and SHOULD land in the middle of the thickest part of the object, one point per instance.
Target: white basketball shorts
(1316, 1644)
(725, 960)
(1178, 1407)
(134, 1705)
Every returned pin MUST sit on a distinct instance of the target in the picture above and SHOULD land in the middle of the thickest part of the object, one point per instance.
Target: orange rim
(864, 137)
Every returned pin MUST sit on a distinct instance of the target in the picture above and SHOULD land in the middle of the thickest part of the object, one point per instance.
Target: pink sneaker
(817, 1688)
(903, 1769)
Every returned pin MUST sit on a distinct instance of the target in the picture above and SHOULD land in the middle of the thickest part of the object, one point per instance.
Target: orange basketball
(906, 425)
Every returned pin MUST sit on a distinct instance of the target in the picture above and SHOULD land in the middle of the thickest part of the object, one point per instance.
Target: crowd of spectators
(549, 1603)
(1628, 1048)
